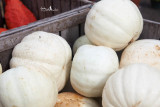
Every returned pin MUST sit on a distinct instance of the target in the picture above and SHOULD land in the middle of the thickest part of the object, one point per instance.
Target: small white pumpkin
(83, 40)
(45, 52)
(20, 87)
(142, 51)
(136, 85)
(113, 23)
(70, 99)
(91, 67)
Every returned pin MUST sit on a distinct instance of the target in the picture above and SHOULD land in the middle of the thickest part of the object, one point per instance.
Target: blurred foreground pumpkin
(2, 30)
(17, 14)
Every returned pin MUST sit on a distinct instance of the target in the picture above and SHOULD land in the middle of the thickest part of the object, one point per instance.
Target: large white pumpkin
(91, 67)
(83, 40)
(45, 52)
(113, 23)
(69, 99)
(21, 87)
(136, 85)
(142, 51)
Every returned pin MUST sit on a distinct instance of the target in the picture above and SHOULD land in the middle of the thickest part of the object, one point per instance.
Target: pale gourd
(91, 67)
(70, 99)
(83, 40)
(136, 85)
(45, 52)
(142, 51)
(113, 23)
(21, 87)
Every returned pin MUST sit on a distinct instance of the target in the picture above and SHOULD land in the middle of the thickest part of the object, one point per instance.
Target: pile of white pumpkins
(42, 64)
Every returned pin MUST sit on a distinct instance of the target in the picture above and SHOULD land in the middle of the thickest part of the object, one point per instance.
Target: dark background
(65, 5)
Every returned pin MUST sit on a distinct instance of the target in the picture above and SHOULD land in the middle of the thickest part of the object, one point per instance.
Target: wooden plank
(1, 14)
(81, 30)
(60, 22)
(28, 4)
(148, 12)
(33, 6)
(48, 4)
(40, 4)
(74, 32)
(75, 4)
(71, 35)
(5, 57)
(82, 3)
(81, 26)
(57, 5)
(39, 7)
(1, 19)
(151, 30)
(65, 7)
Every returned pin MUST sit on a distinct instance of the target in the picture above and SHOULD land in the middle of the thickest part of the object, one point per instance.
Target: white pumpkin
(113, 23)
(83, 40)
(20, 87)
(70, 99)
(142, 51)
(45, 52)
(91, 67)
(136, 85)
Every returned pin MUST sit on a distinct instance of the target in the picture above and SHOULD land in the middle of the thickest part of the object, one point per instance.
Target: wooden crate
(58, 24)
(36, 5)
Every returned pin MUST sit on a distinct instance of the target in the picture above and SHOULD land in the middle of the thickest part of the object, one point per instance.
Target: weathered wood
(36, 5)
(148, 12)
(81, 30)
(56, 5)
(48, 4)
(65, 5)
(1, 19)
(58, 23)
(33, 6)
(151, 30)
(75, 4)
(28, 4)
(70, 34)
(41, 4)
(1, 14)
(5, 57)
(75, 31)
